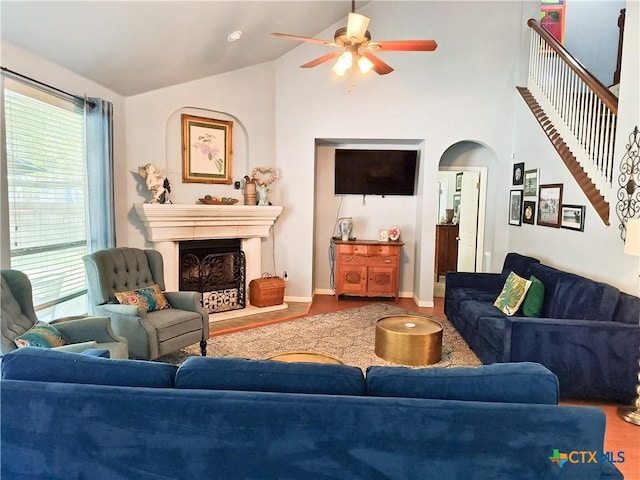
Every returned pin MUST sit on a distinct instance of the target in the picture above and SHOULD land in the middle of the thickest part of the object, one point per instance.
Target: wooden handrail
(621, 20)
(608, 98)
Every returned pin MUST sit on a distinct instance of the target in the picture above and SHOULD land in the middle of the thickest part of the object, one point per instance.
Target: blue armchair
(80, 333)
(150, 334)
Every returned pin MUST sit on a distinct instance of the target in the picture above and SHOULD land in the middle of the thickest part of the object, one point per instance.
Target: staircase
(579, 174)
(577, 113)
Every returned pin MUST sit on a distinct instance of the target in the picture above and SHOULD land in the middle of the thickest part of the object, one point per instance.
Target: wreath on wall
(264, 176)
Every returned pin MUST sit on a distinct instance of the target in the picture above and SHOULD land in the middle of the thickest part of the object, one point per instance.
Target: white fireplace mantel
(168, 224)
(174, 222)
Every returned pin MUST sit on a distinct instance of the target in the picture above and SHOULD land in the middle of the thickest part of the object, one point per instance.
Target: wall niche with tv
(364, 171)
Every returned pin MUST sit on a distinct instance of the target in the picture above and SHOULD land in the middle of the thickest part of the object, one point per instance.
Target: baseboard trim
(298, 299)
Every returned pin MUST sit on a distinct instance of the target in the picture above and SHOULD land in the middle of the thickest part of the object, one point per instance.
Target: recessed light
(233, 36)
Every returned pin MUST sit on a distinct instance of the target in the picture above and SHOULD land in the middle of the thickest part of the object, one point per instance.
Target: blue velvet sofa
(68, 415)
(588, 333)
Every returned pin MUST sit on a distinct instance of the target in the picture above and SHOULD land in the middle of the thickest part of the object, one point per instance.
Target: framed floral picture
(206, 150)
(515, 207)
(549, 205)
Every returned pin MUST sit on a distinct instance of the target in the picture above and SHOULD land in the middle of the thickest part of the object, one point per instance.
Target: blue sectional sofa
(588, 333)
(67, 415)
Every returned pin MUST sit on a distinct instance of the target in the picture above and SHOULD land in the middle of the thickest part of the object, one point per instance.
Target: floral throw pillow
(41, 335)
(150, 298)
(512, 294)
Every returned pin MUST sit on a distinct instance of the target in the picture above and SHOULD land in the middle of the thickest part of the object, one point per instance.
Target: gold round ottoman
(409, 340)
(308, 357)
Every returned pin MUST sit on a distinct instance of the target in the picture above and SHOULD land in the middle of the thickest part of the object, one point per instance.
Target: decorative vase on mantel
(249, 191)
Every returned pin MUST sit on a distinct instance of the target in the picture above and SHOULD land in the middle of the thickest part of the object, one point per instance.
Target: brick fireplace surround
(168, 225)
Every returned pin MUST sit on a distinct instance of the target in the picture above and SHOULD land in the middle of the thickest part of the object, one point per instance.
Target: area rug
(348, 335)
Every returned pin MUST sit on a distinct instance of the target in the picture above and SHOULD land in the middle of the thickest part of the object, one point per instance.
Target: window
(47, 196)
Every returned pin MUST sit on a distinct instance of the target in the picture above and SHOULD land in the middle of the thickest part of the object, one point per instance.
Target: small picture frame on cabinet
(383, 235)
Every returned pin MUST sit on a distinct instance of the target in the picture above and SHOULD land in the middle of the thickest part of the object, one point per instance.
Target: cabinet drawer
(382, 250)
(352, 248)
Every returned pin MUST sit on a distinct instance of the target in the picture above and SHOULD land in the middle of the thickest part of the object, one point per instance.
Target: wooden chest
(367, 268)
(266, 291)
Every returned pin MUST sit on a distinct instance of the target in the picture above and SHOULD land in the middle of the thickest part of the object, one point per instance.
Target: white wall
(428, 97)
(591, 35)
(154, 135)
(598, 251)
(30, 65)
(370, 214)
(464, 91)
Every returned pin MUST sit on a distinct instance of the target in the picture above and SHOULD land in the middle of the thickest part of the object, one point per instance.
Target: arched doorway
(464, 175)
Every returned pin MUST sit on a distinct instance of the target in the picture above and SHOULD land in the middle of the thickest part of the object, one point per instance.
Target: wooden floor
(620, 436)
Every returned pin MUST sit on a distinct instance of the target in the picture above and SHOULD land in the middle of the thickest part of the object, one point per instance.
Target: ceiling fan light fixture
(364, 64)
(343, 63)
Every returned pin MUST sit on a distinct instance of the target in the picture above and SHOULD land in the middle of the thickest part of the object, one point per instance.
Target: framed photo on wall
(206, 150)
(518, 174)
(573, 217)
(549, 205)
(529, 212)
(531, 182)
(515, 207)
(458, 182)
(456, 203)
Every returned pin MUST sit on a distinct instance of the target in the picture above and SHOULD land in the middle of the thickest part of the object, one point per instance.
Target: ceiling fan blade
(379, 66)
(357, 27)
(303, 39)
(403, 45)
(322, 59)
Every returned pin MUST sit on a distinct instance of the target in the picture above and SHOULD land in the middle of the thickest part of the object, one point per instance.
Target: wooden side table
(367, 268)
(308, 357)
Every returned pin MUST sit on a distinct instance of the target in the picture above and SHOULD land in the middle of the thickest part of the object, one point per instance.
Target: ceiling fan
(355, 47)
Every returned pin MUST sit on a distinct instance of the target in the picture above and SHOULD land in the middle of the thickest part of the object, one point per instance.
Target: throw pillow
(41, 335)
(150, 298)
(532, 306)
(512, 294)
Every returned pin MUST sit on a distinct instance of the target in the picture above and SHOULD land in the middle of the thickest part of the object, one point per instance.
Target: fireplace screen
(216, 268)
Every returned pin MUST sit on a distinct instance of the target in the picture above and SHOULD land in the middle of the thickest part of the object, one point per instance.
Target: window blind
(46, 178)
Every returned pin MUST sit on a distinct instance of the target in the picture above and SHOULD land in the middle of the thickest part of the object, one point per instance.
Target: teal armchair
(80, 332)
(150, 334)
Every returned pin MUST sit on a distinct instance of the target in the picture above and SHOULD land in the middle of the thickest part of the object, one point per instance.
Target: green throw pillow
(532, 306)
(41, 335)
(512, 294)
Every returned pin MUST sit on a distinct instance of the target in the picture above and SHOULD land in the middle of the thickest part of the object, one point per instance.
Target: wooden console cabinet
(446, 249)
(367, 268)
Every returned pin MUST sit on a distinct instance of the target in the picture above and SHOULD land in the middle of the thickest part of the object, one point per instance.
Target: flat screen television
(375, 172)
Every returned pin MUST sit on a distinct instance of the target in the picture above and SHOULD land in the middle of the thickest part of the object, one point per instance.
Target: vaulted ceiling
(133, 47)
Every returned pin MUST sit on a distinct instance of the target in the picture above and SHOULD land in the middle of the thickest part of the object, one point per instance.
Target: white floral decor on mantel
(264, 176)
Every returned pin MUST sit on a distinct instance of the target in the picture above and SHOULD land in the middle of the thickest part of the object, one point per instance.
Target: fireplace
(168, 225)
(216, 268)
